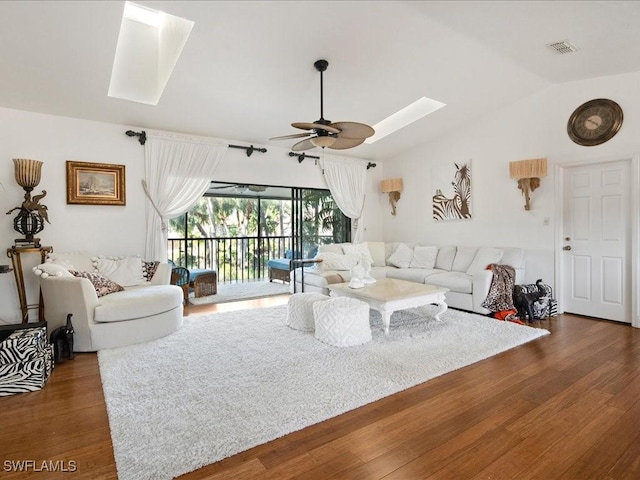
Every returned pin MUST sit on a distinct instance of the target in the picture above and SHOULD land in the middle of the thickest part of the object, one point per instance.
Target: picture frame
(95, 183)
(452, 199)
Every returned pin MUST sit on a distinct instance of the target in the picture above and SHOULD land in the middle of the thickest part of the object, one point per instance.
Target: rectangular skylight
(142, 14)
(404, 117)
(149, 45)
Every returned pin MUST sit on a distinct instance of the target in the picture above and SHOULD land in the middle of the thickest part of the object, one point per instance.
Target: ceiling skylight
(149, 45)
(404, 117)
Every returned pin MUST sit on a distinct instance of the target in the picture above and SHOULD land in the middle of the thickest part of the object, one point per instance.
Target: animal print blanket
(500, 296)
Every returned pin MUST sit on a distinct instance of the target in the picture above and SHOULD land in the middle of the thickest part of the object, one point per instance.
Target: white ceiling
(247, 71)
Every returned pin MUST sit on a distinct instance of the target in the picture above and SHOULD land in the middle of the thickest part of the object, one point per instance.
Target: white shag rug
(227, 382)
(231, 292)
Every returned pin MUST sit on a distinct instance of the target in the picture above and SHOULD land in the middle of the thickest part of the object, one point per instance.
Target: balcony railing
(234, 258)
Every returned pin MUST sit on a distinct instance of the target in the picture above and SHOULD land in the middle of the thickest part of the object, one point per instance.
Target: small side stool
(205, 284)
(342, 322)
(300, 310)
(26, 358)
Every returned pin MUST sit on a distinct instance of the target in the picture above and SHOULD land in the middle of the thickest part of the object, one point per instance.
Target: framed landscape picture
(95, 183)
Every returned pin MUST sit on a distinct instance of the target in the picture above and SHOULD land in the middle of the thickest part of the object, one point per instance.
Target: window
(236, 229)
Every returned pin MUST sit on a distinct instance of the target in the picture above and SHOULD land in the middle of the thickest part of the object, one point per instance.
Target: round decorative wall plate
(595, 122)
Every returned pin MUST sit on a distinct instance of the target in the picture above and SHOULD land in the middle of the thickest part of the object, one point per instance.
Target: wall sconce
(528, 173)
(392, 186)
(31, 214)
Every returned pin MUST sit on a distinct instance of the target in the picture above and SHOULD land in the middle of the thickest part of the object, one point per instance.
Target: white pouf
(342, 322)
(300, 310)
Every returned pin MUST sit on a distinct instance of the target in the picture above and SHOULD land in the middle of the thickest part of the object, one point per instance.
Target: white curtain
(347, 181)
(177, 172)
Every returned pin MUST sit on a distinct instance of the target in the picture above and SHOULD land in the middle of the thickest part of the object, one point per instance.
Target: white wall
(116, 230)
(534, 127)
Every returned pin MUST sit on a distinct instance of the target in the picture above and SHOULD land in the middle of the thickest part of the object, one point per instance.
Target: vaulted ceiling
(247, 72)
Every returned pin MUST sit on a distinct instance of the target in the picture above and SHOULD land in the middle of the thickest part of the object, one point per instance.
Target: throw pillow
(124, 271)
(81, 262)
(331, 248)
(424, 257)
(149, 269)
(401, 257)
(51, 269)
(485, 256)
(444, 260)
(464, 257)
(377, 250)
(358, 249)
(335, 261)
(102, 285)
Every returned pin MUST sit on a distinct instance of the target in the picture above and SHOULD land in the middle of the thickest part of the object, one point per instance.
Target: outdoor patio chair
(180, 277)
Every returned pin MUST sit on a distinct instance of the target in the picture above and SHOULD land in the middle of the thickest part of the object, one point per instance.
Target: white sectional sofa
(461, 269)
(114, 301)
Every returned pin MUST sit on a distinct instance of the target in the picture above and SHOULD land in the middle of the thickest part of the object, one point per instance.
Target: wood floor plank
(595, 462)
(563, 406)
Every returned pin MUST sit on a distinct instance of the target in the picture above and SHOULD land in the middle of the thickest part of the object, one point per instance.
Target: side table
(14, 253)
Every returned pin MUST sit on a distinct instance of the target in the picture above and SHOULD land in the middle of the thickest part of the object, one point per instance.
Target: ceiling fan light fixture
(323, 141)
(323, 133)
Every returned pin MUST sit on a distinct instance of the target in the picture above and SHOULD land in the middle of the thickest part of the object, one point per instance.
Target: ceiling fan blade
(295, 135)
(344, 143)
(303, 145)
(353, 129)
(315, 126)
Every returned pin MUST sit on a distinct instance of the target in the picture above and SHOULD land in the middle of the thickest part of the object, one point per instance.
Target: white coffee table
(389, 294)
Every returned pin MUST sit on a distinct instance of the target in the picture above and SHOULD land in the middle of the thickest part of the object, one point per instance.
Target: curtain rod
(250, 149)
(142, 138)
(302, 156)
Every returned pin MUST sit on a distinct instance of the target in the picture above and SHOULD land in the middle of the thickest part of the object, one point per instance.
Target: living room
(530, 122)
(530, 127)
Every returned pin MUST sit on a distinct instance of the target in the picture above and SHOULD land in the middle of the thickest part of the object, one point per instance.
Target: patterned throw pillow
(103, 285)
(149, 269)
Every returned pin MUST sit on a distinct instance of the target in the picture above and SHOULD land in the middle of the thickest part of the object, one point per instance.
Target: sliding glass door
(236, 229)
(317, 221)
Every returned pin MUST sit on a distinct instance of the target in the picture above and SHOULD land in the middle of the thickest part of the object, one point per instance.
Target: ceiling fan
(323, 133)
(242, 188)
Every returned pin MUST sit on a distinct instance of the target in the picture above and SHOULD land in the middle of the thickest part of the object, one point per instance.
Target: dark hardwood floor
(566, 406)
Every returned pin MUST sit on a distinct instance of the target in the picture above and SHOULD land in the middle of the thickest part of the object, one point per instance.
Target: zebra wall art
(459, 206)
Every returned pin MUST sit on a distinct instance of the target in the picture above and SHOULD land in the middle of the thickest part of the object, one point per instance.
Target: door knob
(568, 247)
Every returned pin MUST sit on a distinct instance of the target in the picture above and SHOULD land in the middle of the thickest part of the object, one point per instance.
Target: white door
(596, 234)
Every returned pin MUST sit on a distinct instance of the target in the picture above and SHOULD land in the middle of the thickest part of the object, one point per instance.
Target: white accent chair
(140, 313)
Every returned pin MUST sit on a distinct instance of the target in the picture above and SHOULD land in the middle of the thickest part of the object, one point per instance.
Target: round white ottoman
(342, 322)
(300, 310)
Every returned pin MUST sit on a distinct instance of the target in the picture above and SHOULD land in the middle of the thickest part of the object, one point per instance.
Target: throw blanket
(500, 296)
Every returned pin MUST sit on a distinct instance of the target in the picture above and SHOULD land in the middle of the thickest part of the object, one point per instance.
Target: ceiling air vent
(563, 47)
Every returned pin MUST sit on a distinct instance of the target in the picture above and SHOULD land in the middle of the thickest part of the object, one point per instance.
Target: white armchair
(139, 313)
